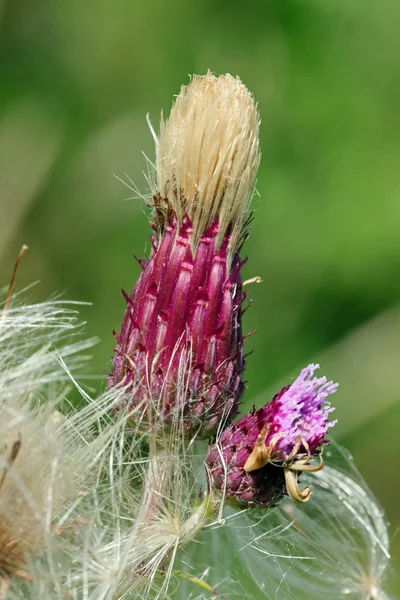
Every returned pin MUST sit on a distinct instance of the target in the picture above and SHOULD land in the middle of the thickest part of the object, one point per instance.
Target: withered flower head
(36, 479)
(208, 155)
(181, 347)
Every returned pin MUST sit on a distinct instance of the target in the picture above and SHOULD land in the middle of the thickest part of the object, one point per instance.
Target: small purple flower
(258, 458)
(181, 347)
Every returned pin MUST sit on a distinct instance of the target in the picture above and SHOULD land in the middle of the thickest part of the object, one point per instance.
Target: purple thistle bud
(181, 345)
(258, 458)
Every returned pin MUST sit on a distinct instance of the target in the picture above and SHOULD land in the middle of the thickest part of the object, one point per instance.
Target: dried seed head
(208, 155)
(41, 466)
(181, 347)
(35, 481)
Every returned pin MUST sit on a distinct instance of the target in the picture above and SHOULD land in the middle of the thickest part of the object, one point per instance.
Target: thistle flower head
(181, 347)
(257, 457)
(208, 156)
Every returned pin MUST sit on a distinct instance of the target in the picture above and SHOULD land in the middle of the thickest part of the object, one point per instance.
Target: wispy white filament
(38, 477)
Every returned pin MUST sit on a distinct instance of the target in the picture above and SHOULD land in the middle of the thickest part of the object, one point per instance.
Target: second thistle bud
(180, 350)
(259, 458)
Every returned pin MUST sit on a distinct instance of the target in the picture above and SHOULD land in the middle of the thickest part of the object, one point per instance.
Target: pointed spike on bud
(208, 156)
(141, 261)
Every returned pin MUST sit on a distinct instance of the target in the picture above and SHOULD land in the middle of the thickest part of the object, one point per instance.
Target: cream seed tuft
(208, 155)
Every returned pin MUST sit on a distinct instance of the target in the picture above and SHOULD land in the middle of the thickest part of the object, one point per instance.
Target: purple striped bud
(180, 350)
(256, 460)
(181, 345)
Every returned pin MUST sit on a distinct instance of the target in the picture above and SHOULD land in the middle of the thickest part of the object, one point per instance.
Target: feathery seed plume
(38, 463)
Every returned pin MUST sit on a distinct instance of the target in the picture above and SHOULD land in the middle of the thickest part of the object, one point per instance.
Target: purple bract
(181, 346)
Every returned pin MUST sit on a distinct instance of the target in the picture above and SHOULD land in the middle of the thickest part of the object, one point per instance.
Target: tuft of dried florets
(35, 480)
(181, 347)
(208, 156)
(258, 458)
(38, 458)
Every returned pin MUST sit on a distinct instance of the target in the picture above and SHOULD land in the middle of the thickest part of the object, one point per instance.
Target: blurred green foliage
(77, 79)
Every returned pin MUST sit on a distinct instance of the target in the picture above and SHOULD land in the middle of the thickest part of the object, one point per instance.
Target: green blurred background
(77, 79)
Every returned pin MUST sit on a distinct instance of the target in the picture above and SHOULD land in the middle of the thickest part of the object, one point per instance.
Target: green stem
(200, 582)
